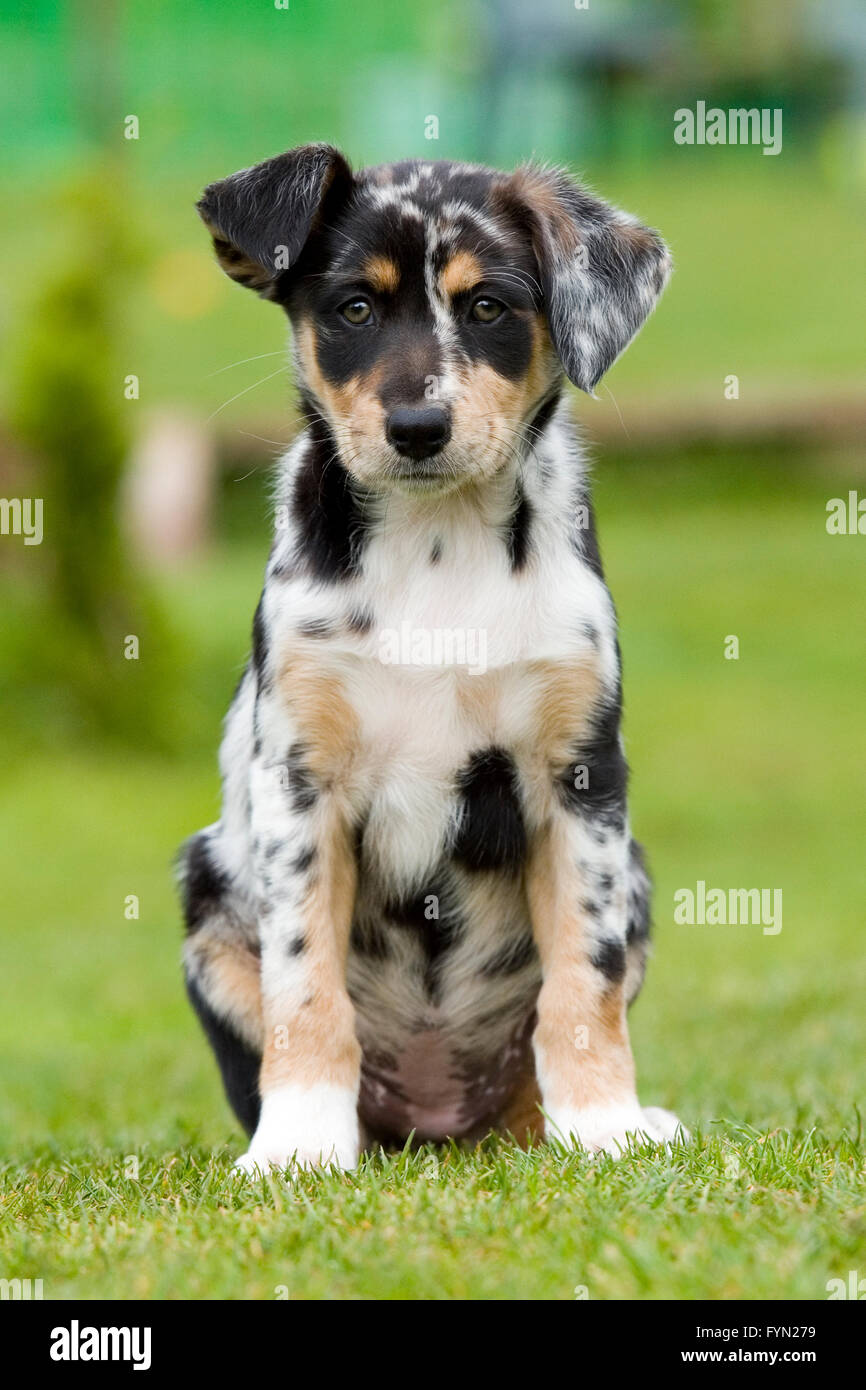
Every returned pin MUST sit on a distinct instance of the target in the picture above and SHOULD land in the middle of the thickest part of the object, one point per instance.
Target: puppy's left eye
(486, 310)
(357, 311)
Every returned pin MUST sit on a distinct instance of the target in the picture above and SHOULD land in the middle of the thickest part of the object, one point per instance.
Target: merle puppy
(422, 908)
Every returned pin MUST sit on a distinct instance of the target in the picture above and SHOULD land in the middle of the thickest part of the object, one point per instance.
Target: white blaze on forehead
(439, 237)
(442, 237)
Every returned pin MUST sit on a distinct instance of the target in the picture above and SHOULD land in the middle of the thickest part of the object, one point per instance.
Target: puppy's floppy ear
(260, 218)
(601, 270)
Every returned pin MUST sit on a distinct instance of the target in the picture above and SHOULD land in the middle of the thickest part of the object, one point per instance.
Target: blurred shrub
(79, 598)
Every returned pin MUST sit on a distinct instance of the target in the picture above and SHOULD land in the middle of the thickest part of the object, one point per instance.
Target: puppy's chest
(419, 691)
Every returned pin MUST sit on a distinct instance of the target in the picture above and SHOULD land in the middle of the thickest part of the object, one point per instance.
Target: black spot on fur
(542, 417)
(430, 915)
(359, 831)
(584, 534)
(238, 1063)
(639, 895)
(369, 940)
(260, 644)
(204, 885)
(297, 947)
(511, 959)
(316, 627)
(303, 861)
(605, 886)
(436, 552)
(519, 531)
(360, 621)
(609, 958)
(491, 832)
(326, 509)
(603, 798)
(301, 787)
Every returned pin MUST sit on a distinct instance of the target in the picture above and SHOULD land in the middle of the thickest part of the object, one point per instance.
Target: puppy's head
(435, 306)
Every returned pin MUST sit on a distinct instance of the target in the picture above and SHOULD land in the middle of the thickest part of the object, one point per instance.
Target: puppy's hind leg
(638, 906)
(222, 972)
(238, 1063)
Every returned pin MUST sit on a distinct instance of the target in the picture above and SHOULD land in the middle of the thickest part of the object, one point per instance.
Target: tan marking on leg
(228, 974)
(315, 1041)
(382, 274)
(327, 724)
(567, 695)
(574, 995)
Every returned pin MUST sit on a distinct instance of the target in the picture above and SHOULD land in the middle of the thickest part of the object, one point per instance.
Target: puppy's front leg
(577, 889)
(311, 1058)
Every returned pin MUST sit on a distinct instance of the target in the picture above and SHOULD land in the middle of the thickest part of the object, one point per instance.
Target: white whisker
(241, 362)
(244, 392)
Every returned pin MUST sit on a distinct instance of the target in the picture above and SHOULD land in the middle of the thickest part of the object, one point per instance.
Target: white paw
(666, 1125)
(323, 1154)
(304, 1127)
(608, 1129)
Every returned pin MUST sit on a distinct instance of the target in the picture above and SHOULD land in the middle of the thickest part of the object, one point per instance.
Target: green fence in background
(218, 84)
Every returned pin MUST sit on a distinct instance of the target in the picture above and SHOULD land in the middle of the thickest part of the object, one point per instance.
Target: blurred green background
(712, 510)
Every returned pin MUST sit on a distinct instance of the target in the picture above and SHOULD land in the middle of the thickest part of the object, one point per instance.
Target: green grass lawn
(746, 773)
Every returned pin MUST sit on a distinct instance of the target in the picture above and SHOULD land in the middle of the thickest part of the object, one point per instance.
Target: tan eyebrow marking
(382, 274)
(460, 274)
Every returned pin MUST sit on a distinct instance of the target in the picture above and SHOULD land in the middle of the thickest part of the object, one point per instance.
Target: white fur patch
(607, 1128)
(304, 1127)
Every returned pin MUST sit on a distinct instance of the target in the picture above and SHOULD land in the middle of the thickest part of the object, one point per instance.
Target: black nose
(418, 432)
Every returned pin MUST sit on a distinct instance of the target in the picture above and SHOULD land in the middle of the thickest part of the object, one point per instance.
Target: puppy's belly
(434, 1086)
(444, 981)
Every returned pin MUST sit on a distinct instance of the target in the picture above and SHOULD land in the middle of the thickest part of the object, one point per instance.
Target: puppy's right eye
(357, 311)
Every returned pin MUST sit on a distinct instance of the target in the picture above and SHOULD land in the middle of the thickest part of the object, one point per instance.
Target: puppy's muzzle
(418, 432)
